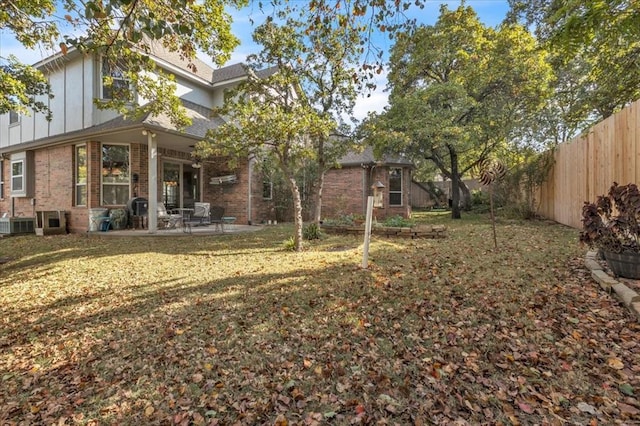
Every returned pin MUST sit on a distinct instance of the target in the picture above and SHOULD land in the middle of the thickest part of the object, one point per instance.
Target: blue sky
(491, 13)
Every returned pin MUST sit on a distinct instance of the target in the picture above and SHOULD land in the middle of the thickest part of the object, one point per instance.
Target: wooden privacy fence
(586, 166)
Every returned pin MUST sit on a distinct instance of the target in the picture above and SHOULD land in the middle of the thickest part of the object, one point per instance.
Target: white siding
(71, 107)
(217, 98)
(15, 131)
(57, 105)
(4, 130)
(88, 77)
(74, 90)
(192, 92)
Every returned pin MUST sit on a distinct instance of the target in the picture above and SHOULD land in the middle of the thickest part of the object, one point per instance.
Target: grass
(234, 329)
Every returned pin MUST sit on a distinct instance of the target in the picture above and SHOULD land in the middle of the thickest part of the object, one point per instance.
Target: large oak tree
(459, 92)
(594, 42)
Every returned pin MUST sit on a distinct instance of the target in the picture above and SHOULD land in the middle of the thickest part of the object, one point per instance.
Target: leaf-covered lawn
(233, 330)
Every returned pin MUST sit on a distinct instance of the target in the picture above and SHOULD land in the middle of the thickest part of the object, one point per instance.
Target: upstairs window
(395, 187)
(115, 85)
(14, 117)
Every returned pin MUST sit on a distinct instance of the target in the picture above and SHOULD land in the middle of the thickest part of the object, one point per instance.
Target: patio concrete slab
(178, 232)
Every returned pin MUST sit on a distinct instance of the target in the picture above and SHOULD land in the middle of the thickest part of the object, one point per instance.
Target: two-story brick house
(88, 158)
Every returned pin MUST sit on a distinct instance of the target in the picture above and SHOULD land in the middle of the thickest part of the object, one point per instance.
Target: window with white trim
(80, 175)
(395, 187)
(14, 117)
(115, 85)
(17, 177)
(115, 175)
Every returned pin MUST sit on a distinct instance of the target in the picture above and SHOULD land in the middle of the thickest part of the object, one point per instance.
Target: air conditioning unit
(17, 225)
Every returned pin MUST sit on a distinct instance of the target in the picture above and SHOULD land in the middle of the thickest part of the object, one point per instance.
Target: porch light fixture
(196, 165)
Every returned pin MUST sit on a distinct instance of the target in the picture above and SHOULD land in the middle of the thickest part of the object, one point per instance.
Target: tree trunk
(297, 212)
(455, 183)
(319, 185)
(466, 195)
(317, 197)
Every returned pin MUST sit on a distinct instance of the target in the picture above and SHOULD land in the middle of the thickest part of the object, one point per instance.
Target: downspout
(152, 213)
(249, 195)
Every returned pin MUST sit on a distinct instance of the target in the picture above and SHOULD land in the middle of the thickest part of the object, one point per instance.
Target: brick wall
(234, 196)
(346, 191)
(343, 192)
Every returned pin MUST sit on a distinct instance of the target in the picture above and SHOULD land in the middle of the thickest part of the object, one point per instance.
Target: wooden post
(367, 233)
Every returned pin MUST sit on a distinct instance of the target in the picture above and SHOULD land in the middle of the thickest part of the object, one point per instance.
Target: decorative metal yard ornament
(491, 171)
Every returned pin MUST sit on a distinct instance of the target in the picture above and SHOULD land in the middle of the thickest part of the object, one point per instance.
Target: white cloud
(374, 103)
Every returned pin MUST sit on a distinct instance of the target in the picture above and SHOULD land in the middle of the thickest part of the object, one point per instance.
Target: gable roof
(201, 69)
(193, 66)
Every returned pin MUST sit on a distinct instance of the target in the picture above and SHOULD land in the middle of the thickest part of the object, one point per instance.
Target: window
(115, 175)
(13, 117)
(21, 176)
(81, 175)
(395, 187)
(267, 189)
(17, 176)
(114, 83)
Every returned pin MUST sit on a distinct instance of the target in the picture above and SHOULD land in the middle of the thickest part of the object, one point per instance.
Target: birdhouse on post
(378, 195)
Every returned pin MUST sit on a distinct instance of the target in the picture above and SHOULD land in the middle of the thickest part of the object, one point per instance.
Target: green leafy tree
(120, 31)
(459, 92)
(335, 61)
(267, 116)
(597, 41)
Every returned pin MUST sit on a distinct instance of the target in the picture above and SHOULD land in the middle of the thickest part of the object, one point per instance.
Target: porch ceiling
(164, 139)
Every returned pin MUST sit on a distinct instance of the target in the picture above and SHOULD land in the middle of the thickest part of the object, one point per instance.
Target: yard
(232, 329)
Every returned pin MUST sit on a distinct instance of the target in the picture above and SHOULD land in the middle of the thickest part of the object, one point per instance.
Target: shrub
(311, 232)
(612, 223)
(289, 244)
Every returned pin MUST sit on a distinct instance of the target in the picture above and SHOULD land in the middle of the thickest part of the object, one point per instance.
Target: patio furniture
(201, 214)
(217, 217)
(99, 219)
(186, 214)
(169, 220)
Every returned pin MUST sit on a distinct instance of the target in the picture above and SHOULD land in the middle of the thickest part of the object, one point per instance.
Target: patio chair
(201, 214)
(168, 220)
(217, 217)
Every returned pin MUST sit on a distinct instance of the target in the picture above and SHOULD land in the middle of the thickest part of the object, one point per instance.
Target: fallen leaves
(230, 330)
(615, 363)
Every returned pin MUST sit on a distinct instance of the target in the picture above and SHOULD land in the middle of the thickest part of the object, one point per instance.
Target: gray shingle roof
(195, 66)
(203, 70)
(201, 117)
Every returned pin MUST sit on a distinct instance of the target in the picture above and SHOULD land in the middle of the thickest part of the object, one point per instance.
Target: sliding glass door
(180, 185)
